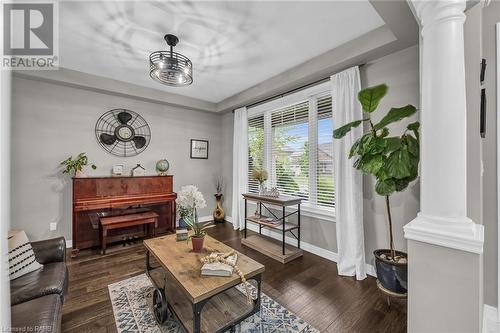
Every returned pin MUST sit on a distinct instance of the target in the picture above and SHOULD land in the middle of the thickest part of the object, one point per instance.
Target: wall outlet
(53, 226)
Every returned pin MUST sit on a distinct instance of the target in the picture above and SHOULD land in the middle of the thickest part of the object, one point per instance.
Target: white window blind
(295, 144)
(325, 193)
(255, 149)
(290, 149)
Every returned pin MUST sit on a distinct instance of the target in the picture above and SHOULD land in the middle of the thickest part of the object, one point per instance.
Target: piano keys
(93, 196)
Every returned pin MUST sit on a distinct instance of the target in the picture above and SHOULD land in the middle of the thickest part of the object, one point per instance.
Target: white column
(443, 198)
(444, 246)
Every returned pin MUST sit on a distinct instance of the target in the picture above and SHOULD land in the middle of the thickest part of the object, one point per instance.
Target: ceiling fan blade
(139, 141)
(107, 139)
(124, 117)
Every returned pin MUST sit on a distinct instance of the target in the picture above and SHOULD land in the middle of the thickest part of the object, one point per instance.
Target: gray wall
(400, 71)
(446, 301)
(62, 118)
(51, 122)
(491, 15)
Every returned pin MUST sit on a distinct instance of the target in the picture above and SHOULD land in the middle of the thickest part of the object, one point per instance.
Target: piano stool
(123, 221)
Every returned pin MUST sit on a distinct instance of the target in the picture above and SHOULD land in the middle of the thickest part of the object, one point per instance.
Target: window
(255, 149)
(294, 143)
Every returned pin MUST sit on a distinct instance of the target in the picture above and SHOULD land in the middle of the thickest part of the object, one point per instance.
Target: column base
(460, 234)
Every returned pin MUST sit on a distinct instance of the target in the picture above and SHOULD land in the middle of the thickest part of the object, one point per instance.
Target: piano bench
(123, 221)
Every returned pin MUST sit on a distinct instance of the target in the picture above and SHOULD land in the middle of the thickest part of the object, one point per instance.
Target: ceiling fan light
(169, 67)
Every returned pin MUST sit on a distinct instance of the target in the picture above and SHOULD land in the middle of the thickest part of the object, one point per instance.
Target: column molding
(452, 233)
(442, 220)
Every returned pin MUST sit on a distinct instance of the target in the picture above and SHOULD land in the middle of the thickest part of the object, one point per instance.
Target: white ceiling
(233, 44)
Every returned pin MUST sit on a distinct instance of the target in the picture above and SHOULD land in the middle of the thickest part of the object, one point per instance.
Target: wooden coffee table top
(184, 265)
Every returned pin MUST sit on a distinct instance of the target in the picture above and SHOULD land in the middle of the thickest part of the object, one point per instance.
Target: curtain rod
(305, 86)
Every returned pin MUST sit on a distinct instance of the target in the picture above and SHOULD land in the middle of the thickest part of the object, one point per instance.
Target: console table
(277, 250)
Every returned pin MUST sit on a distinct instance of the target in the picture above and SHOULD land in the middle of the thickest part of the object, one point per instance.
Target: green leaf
(355, 147)
(358, 163)
(395, 114)
(415, 127)
(370, 97)
(391, 144)
(385, 187)
(342, 131)
(382, 174)
(399, 164)
(376, 146)
(372, 164)
(401, 184)
(412, 144)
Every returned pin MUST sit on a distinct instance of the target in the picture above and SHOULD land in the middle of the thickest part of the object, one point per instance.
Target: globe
(162, 167)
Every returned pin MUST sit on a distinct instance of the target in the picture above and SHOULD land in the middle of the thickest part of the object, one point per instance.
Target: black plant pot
(393, 276)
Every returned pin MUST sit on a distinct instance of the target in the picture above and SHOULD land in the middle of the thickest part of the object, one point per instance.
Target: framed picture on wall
(199, 149)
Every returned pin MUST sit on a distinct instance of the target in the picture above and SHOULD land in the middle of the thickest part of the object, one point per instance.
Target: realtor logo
(29, 35)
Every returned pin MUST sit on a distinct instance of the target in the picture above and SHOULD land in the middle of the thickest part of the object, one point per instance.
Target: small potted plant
(260, 175)
(76, 165)
(198, 232)
(393, 161)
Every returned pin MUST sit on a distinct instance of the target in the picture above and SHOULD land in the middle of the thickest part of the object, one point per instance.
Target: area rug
(132, 303)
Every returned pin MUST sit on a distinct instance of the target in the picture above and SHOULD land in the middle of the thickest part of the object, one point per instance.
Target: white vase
(80, 174)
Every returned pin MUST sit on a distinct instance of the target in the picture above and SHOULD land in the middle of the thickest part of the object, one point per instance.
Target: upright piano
(95, 196)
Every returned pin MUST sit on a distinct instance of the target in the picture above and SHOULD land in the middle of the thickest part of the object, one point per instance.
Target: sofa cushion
(22, 259)
(51, 279)
(41, 314)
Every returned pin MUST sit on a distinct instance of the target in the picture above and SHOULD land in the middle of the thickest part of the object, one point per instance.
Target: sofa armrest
(50, 250)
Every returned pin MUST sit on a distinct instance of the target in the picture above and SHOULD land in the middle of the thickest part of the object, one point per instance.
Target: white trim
(69, 243)
(205, 218)
(293, 98)
(319, 251)
(459, 234)
(491, 323)
(498, 156)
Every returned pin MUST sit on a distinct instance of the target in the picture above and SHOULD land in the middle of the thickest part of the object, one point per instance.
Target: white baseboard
(69, 243)
(491, 322)
(205, 218)
(319, 251)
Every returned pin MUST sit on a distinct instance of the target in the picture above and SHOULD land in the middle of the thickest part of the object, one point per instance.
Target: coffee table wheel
(160, 308)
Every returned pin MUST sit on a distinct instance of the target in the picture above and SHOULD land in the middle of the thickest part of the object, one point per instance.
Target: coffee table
(201, 303)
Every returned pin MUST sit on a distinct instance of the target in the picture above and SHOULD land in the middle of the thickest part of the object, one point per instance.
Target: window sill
(316, 213)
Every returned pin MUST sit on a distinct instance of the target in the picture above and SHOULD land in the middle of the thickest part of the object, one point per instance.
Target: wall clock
(122, 132)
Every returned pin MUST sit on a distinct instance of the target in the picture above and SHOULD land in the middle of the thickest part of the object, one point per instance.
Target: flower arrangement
(189, 198)
(259, 175)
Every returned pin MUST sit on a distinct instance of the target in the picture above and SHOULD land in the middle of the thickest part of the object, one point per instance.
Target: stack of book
(269, 221)
(219, 269)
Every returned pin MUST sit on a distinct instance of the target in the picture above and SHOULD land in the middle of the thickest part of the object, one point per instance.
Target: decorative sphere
(162, 166)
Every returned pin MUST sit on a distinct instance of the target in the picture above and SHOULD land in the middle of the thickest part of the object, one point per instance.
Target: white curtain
(348, 181)
(240, 166)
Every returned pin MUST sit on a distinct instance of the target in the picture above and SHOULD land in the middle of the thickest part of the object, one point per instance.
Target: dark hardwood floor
(308, 286)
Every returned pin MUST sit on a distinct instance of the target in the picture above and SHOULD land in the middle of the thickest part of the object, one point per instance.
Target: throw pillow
(21, 256)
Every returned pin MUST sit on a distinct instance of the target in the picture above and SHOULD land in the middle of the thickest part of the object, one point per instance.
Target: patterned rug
(132, 303)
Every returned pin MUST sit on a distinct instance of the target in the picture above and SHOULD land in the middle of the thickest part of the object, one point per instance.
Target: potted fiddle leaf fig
(393, 161)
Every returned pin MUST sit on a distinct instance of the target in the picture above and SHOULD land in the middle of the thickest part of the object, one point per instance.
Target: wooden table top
(281, 200)
(184, 265)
